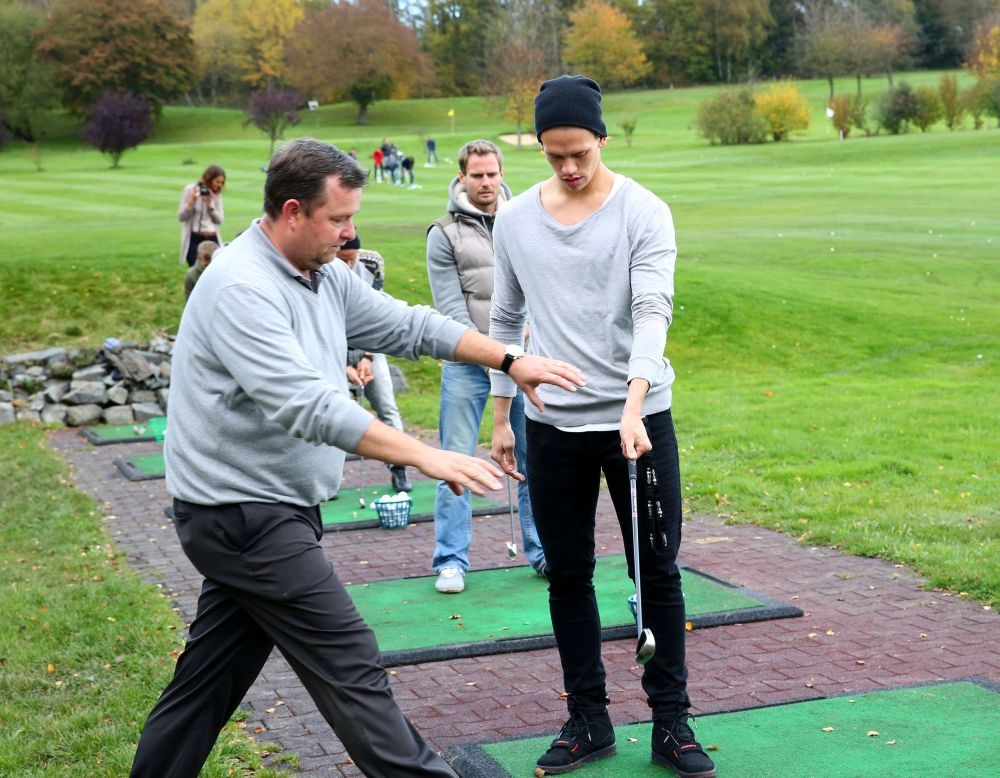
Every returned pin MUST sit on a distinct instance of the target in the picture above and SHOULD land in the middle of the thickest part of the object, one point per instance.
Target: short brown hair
(480, 148)
(299, 170)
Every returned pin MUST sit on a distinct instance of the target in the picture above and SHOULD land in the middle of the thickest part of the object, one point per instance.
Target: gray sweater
(259, 405)
(598, 293)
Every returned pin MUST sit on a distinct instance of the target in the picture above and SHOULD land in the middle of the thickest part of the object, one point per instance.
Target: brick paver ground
(868, 624)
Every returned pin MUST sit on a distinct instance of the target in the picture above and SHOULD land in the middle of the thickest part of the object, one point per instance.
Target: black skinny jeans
(565, 481)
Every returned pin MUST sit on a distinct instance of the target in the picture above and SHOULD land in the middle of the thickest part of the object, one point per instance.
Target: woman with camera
(200, 212)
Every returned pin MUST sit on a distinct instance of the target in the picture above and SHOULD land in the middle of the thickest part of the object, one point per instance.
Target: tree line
(76, 53)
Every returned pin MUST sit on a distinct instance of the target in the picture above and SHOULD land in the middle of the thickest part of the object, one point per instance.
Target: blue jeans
(566, 469)
(464, 391)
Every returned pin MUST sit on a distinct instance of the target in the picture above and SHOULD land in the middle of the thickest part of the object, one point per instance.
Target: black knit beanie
(353, 243)
(569, 101)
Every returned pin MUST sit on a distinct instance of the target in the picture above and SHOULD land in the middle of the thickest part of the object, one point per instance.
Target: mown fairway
(836, 326)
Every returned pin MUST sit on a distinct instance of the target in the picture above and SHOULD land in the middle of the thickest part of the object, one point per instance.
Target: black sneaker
(584, 738)
(399, 480)
(674, 746)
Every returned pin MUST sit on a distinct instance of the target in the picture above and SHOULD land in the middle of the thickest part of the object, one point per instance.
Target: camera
(202, 189)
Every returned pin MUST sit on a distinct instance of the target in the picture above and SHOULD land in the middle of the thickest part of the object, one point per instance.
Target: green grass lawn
(836, 332)
(87, 645)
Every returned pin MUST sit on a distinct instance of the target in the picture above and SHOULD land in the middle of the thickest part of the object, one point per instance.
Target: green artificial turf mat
(932, 731)
(118, 433)
(346, 512)
(506, 610)
(142, 467)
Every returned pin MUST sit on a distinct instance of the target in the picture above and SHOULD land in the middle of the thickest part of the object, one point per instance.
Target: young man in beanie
(587, 256)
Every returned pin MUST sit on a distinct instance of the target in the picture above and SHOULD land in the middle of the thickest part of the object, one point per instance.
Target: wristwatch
(513, 352)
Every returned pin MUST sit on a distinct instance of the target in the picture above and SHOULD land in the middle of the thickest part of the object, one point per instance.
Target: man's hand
(502, 450)
(360, 374)
(530, 371)
(635, 439)
(459, 471)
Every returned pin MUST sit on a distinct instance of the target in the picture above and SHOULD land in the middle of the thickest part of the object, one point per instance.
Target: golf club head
(512, 550)
(645, 648)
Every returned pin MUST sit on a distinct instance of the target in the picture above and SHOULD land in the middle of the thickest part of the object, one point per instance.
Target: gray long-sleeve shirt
(598, 294)
(259, 405)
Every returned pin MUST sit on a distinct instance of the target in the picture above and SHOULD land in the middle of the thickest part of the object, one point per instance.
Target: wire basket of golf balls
(393, 510)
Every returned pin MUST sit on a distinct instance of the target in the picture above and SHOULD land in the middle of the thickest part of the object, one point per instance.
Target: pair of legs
(566, 470)
(464, 391)
(268, 583)
(382, 397)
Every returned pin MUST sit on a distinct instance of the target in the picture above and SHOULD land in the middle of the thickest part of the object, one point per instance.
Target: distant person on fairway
(587, 256)
(200, 212)
(460, 269)
(259, 419)
(205, 251)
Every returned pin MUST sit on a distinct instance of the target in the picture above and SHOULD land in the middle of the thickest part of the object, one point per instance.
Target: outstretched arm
(528, 372)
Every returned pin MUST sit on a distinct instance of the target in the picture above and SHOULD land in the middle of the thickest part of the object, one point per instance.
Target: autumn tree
(360, 52)
(984, 55)
(823, 45)
(246, 37)
(116, 123)
(220, 76)
(27, 85)
(602, 44)
(274, 111)
(517, 70)
(735, 27)
(679, 50)
(543, 23)
(703, 40)
(137, 46)
(784, 109)
(457, 36)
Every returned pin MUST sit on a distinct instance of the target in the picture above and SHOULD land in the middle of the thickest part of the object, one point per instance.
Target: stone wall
(121, 383)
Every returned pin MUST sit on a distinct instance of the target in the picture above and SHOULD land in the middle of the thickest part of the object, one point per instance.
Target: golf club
(646, 645)
(512, 545)
(359, 392)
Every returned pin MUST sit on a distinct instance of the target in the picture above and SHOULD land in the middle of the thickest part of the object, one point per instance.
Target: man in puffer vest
(460, 268)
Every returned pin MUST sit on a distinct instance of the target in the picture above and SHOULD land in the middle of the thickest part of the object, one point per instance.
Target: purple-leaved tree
(272, 111)
(118, 122)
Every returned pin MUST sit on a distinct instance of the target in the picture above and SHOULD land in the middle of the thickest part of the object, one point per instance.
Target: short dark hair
(298, 171)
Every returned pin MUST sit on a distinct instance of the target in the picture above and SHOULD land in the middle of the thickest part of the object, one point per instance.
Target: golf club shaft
(510, 510)
(634, 497)
(361, 476)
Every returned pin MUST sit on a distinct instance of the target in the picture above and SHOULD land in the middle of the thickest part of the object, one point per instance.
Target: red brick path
(868, 624)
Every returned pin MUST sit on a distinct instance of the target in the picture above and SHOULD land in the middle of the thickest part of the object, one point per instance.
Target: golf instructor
(587, 256)
(260, 416)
